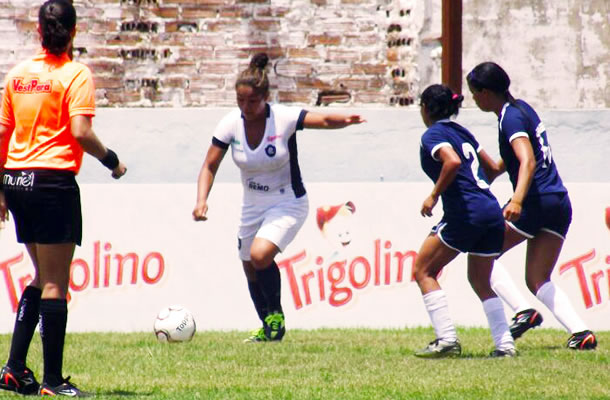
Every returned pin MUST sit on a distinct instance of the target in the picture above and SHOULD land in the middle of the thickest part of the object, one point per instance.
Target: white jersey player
(263, 143)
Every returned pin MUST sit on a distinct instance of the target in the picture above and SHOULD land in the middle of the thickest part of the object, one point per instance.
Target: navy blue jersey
(468, 196)
(522, 121)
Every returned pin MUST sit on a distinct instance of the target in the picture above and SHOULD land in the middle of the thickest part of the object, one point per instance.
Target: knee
(422, 271)
(259, 259)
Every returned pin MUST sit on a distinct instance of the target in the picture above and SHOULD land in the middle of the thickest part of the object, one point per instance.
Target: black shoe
(584, 340)
(64, 389)
(524, 321)
(22, 382)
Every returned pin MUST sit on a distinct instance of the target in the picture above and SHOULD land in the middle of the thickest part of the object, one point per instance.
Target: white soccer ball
(174, 324)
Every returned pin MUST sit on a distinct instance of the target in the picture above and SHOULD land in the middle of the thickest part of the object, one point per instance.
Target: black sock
(25, 325)
(258, 298)
(53, 319)
(270, 283)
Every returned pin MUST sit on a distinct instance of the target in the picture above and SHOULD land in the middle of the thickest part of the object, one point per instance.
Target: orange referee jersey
(41, 95)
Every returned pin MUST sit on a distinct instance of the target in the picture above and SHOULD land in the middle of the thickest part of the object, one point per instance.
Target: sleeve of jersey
(223, 134)
(300, 120)
(6, 117)
(81, 94)
(432, 141)
(514, 125)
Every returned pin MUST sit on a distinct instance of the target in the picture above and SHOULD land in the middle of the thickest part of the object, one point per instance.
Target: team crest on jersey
(33, 86)
(270, 150)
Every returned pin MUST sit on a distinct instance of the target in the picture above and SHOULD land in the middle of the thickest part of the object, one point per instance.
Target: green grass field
(329, 364)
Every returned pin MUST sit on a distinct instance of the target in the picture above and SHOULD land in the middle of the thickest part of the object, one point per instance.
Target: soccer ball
(174, 324)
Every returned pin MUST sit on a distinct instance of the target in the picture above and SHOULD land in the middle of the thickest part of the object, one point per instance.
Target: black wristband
(110, 160)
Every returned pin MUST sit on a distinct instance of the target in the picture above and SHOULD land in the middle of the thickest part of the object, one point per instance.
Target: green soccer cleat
(256, 336)
(275, 326)
(439, 348)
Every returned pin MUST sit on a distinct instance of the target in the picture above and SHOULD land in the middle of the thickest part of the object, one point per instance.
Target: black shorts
(45, 205)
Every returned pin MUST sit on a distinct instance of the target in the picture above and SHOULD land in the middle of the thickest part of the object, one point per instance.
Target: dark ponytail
(255, 75)
(489, 75)
(57, 19)
(441, 102)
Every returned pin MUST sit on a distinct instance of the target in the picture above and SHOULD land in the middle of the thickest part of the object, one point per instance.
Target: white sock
(497, 324)
(505, 288)
(438, 310)
(557, 301)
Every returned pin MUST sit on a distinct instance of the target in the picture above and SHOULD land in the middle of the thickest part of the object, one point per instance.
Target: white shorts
(278, 223)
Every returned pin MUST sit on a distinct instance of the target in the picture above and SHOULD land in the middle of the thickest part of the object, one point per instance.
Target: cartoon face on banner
(335, 224)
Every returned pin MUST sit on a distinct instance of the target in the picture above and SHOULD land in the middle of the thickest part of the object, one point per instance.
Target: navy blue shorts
(550, 212)
(45, 205)
(486, 240)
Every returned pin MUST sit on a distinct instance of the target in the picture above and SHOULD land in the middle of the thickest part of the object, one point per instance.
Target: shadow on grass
(122, 393)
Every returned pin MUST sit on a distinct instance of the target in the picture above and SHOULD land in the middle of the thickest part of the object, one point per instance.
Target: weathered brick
(166, 12)
(197, 84)
(235, 11)
(268, 25)
(324, 39)
(183, 67)
(307, 52)
(108, 82)
(225, 25)
(217, 68)
(199, 12)
(304, 96)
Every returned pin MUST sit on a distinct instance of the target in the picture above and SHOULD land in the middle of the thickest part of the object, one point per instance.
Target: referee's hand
(119, 171)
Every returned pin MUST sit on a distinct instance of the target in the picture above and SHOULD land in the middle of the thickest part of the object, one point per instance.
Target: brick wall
(157, 53)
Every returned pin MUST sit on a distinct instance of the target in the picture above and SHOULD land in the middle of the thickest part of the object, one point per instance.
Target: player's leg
(259, 301)
(525, 317)
(262, 255)
(16, 376)
(54, 268)
(432, 257)
(479, 272)
(542, 254)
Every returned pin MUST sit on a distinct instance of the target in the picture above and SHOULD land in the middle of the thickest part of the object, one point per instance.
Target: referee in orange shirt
(45, 126)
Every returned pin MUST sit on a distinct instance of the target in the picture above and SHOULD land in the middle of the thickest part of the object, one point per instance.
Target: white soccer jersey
(272, 167)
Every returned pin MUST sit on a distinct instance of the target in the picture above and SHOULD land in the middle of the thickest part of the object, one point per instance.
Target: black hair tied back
(57, 19)
(259, 61)
(441, 102)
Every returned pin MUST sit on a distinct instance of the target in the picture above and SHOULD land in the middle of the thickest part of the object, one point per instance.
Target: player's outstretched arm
(315, 120)
(82, 131)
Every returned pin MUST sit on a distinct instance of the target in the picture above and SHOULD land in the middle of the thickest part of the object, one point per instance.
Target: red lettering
(133, 257)
(107, 247)
(96, 264)
(388, 258)
(377, 262)
(305, 280)
(595, 277)
(79, 263)
(578, 265)
(5, 268)
(338, 296)
(146, 277)
(321, 287)
(287, 264)
(401, 257)
(367, 272)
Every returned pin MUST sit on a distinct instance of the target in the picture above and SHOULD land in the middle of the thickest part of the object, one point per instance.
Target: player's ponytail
(255, 75)
(57, 19)
(441, 102)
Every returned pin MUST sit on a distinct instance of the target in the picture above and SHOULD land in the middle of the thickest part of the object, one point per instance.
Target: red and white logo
(33, 86)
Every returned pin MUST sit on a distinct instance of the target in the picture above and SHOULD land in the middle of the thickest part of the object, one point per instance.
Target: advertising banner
(350, 265)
